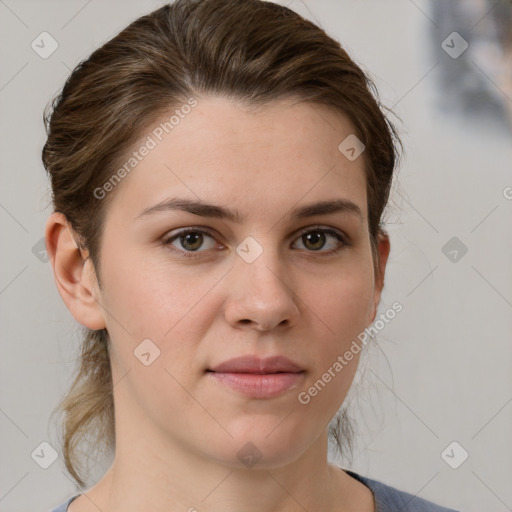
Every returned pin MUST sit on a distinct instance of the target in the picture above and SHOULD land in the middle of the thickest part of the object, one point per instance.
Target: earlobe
(74, 273)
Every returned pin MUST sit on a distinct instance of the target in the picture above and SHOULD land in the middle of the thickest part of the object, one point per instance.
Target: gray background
(441, 370)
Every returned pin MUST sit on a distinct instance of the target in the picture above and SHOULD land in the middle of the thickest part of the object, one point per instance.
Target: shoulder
(390, 499)
(64, 506)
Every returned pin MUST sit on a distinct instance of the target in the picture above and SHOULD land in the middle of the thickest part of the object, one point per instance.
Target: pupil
(315, 237)
(189, 238)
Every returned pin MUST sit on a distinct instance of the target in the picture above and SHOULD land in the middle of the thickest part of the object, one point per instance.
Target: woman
(219, 171)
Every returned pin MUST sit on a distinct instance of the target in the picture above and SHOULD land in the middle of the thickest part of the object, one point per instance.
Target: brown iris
(317, 238)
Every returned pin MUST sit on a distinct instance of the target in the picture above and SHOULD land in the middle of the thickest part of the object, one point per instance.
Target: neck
(142, 478)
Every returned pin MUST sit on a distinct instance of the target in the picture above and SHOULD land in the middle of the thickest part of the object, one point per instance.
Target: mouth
(258, 365)
(258, 378)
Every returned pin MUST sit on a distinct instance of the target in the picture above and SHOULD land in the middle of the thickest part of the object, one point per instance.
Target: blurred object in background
(476, 84)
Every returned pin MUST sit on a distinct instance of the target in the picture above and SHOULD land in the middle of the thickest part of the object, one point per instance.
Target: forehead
(254, 159)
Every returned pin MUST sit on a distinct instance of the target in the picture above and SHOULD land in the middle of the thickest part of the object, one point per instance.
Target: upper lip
(254, 364)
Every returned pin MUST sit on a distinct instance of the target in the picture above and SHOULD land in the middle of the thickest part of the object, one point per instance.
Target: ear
(383, 249)
(74, 273)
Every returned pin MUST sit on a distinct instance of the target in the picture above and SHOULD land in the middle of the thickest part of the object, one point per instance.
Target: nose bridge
(260, 288)
(261, 267)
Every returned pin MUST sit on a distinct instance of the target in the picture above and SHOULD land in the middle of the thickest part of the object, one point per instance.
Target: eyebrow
(198, 207)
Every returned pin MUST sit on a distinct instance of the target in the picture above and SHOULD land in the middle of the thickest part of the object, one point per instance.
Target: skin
(178, 431)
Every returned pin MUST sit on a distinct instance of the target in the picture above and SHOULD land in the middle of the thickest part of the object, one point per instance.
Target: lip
(254, 364)
(258, 378)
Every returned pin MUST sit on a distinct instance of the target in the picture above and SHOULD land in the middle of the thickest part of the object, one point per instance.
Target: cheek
(342, 313)
(342, 316)
(345, 303)
(150, 297)
(171, 307)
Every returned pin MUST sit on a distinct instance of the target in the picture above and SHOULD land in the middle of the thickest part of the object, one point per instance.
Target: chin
(261, 449)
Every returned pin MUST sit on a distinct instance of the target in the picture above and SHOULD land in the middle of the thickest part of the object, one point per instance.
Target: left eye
(316, 237)
(313, 240)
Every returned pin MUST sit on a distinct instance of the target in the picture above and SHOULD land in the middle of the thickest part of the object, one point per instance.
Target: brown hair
(249, 50)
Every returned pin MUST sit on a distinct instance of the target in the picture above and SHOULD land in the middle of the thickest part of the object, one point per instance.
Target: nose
(259, 294)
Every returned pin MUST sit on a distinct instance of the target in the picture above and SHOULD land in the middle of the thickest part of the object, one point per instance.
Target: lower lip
(259, 385)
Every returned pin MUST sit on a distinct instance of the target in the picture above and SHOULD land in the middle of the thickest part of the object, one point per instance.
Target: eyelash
(315, 229)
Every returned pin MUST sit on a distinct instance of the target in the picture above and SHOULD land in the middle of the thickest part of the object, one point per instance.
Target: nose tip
(259, 296)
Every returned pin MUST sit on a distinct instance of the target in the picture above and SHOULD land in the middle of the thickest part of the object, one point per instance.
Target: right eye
(190, 240)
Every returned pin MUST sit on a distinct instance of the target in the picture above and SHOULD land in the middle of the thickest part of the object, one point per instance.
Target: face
(183, 292)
